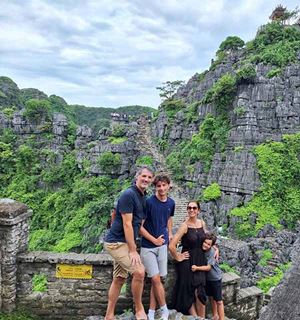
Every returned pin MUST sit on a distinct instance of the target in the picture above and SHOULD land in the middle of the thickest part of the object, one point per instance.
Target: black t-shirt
(132, 201)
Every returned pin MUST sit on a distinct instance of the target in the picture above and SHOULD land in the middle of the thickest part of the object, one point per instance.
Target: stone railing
(70, 298)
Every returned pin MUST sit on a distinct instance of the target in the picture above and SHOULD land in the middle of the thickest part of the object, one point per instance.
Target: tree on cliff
(168, 88)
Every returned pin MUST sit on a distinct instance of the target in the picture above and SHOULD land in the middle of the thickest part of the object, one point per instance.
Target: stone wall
(78, 298)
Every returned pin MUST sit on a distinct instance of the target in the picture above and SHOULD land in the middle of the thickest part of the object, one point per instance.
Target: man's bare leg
(214, 309)
(137, 286)
(113, 295)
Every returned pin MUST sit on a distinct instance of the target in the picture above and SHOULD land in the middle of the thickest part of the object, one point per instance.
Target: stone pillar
(13, 240)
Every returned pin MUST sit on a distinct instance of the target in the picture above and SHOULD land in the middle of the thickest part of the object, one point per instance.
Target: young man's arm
(170, 227)
(157, 241)
(129, 236)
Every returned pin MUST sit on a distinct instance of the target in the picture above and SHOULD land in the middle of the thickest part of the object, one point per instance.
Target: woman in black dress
(189, 292)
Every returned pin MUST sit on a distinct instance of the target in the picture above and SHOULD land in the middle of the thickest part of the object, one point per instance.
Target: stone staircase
(147, 147)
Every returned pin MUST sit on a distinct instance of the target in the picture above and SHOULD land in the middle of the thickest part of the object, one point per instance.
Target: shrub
(246, 74)
(39, 283)
(171, 107)
(109, 162)
(212, 192)
(267, 283)
(118, 131)
(231, 43)
(222, 92)
(274, 72)
(266, 255)
(239, 111)
(144, 160)
(118, 140)
(37, 110)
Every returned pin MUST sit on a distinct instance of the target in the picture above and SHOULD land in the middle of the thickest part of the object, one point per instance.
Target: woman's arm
(174, 242)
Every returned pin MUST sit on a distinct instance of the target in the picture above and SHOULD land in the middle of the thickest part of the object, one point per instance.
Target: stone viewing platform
(76, 285)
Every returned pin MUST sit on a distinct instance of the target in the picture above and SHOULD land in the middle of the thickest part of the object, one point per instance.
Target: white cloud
(111, 53)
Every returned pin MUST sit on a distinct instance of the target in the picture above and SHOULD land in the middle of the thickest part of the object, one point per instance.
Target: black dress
(189, 282)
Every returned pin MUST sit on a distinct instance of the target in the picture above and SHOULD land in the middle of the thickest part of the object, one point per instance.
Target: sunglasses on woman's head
(192, 208)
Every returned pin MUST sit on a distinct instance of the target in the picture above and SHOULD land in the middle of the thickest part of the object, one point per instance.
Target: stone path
(148, 148)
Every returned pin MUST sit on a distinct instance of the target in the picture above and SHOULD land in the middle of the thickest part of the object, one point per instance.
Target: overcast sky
(116, 52)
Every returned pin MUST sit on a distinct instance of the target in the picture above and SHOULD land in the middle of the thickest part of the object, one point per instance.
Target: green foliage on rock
(37, 110)
(232, 43)
(222, 92)
(109, 162)
(275, 44)
(246, 74)
(211, 138)
(39, 283)
(278, 200)
(171, 107)
(265, 256)
(274, 73)
(267, 283)
(212, 192)
(144, 160)
(17, 315)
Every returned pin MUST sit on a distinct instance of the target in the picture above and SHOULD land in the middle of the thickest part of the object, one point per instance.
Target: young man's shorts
(155, 260)
(214, 289)
(122, 263)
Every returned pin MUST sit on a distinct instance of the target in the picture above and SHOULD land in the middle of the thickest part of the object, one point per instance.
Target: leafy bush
(171, 107)
(231, 43)
(39, 283)
(37, 110)
(279, 197)
(274, 72)
(221, 93)
(246, 74)
(118, 140)
(265, 255)
(267, 283)
(212, 192)
(239, 111)
(144, 160)
(118, 131)
(227, 268)
(275, 44)
(109, 162)
(17, 315)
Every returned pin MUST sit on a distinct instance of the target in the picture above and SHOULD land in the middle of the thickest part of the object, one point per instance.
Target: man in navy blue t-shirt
(120, 243)
(156, 232)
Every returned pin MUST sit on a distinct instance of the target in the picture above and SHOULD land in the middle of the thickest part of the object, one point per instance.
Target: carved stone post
(13, 240)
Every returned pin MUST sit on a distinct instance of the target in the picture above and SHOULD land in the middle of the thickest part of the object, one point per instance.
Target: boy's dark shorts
(214, 289)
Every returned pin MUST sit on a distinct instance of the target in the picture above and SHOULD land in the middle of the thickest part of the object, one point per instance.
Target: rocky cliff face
(261, 111)
(285, 299)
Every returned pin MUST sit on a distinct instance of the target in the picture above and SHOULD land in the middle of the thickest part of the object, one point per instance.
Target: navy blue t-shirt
(132, 200)
(157, 216)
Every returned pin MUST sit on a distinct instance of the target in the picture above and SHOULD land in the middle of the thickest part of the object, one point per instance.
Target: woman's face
(192, 209)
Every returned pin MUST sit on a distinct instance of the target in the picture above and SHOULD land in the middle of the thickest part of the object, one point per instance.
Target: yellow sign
(70, 271)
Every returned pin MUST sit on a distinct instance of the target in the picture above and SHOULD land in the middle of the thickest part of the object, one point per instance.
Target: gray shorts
(155, 260)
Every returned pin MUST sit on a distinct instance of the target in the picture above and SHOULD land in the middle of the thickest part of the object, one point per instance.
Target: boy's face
(207, 244)
(162, 188)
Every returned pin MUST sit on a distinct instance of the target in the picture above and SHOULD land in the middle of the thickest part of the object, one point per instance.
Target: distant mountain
(96, 118)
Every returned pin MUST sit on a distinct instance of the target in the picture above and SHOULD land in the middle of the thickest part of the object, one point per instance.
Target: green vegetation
(37, 110)
(266, 255)
(279, 196)
(227, 268)
(118, 140)
(212, 137)
(274, 73)
(118, 131)
(246, 74)
(267, 283)
(275, 44)
(144, 160)
(168, 89)
(221, 93)
(171, 107)
(212, 192)
(39, 283)
(17, 315)
(109, 162)
(231, 43)
(239, 111)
